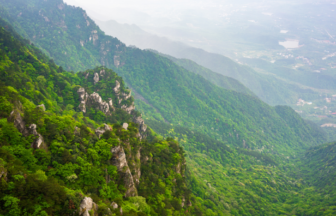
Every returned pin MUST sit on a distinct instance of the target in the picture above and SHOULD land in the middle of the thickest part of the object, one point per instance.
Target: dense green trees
(241, 154)
(73, 161)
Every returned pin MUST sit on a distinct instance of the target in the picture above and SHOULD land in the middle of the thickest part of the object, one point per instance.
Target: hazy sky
(139, 12)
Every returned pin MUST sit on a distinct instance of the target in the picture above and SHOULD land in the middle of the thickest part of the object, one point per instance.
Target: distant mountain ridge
(270, 89)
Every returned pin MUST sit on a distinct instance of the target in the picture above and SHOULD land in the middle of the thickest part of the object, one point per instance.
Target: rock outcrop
(39, 140)
(87, 205)
(116, 89)
(96, 78)
(114, 205)
(16, 118)
(125, 126)
(142, 127)
(82, 98)
(94, 100)
(128, 109)
(119, 160)
(101, 131)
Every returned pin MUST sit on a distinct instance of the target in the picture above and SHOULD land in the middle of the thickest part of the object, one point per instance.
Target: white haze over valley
(216, 26)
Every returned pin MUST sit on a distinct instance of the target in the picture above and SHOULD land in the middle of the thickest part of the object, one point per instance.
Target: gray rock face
(96, 78)
(83, 98)
(102, 73)
(119, 160)
(142, 127)
(87, 205)
(138, 120)
(93, 100)
(96, 101)
(126, 96)
(116, 89)
(110, 103)
(16, 117)
(39, 140)
(128, 109)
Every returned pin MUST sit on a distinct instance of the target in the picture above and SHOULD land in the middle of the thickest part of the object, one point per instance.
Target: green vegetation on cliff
(53, 156)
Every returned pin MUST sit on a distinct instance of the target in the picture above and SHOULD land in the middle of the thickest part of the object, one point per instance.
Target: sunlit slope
(180, 96)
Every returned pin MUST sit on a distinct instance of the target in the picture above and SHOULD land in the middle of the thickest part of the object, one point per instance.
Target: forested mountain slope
(240, 151)
(179, 96)
(58, 158)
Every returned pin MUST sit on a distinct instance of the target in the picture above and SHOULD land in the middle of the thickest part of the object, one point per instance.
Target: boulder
(125, 126)
(114, 205)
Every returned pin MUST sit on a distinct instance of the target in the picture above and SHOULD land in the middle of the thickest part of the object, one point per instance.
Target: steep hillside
(179, 96)
(65, 145)
(71, 146)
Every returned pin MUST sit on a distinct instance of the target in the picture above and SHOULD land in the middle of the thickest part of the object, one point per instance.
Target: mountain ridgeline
(80, 143)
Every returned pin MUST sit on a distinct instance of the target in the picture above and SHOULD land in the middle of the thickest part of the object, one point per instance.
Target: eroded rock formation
(17, 119)
(39, 140)
(119, 160)
(128, 109)
(94, 100)
(87, 205)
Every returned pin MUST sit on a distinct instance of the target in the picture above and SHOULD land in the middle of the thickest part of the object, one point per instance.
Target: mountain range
(190, 142)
